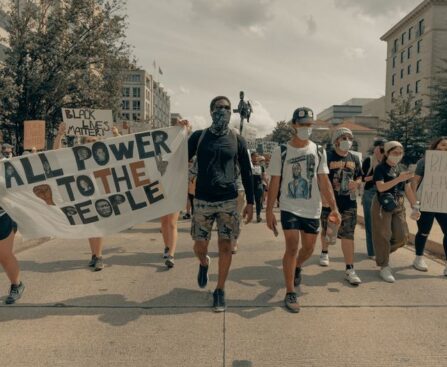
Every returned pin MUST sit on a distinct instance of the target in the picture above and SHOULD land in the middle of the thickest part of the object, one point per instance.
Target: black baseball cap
(379, 142)
(302, 115)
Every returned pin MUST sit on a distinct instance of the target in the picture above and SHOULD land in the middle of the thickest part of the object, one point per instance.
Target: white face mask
(304, 132)
(395, 159)
(345, 145)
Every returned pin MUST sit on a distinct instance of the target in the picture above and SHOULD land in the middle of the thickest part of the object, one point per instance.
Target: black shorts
(7, 225)
(348, 222)
(292, 221)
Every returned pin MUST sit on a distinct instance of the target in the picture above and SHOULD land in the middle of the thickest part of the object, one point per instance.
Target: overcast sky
(282, 53)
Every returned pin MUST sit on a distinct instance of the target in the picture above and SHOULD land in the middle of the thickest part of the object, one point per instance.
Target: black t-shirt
(341, 171)
(386, 173)
(368, 171)
(217, 171)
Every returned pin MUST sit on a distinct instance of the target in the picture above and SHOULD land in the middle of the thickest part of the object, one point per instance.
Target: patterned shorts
(348, 222)
(223, 212)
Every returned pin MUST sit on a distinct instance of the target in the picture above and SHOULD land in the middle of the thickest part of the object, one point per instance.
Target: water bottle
(353, 195)
(331, 232)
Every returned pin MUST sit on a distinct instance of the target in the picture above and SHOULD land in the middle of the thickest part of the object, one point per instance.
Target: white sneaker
(387, 275)
(324, 259)
(419, 263)
(352, 277)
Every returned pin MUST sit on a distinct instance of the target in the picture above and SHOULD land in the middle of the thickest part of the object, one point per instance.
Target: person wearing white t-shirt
(299, 172)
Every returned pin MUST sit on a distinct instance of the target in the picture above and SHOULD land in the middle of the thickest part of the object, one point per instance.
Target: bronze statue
(244, 109)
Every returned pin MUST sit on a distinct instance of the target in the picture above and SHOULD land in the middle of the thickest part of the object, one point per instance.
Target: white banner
(88, 122)
(97, 189)
(434, 190)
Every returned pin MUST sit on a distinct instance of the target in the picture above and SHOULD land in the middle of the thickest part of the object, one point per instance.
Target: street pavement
(137, 313)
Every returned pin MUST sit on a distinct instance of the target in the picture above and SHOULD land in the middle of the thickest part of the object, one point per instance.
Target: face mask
(303, 133)
(221, 120)
(395, 159)
(345, 145)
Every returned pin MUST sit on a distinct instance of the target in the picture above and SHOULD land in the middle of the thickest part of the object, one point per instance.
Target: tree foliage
(63, 53)
(282, 132)
(438, 107)
(406, 124)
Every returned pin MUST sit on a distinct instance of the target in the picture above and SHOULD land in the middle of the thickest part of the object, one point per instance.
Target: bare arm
(416, 180)
(327, 191)
(411, 196)
(58, 139)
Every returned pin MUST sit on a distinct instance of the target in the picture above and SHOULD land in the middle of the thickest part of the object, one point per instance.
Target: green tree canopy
(438, 107)
(282, 132)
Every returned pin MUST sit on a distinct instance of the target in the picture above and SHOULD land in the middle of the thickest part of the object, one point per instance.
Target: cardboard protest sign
(97, 189)
(88, 122)
(34, 134)
(434, 183)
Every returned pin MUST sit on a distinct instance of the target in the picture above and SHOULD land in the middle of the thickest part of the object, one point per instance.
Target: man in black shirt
(345, 174)
(221, 156)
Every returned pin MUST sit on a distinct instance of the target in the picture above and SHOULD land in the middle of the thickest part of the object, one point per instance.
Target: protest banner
(97, 189)
(434, 184)
(34, 134)
(88, 122)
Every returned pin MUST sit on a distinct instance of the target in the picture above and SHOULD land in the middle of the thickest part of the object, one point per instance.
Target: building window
(395, 45)
(393, 79)
(401, 91)
(135, 77)
(393, 96)
(418, 86)
(418, 66)
(408, 89)
(409, 69)
(419, 46)
(409, 52)
(136, 105)
(136, 117)
(403, 38)
(421, 27)
(126, 105)
(394, 62)
(410, 33)
(126, 92)
(136, 92)
(401, 73)
(402, 56)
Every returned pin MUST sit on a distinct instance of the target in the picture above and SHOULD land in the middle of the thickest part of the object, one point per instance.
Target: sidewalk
(136, 313)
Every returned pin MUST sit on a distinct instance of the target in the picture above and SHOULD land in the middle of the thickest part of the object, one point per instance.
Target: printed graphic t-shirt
(341, 171)
(386, 173)
(300, 194)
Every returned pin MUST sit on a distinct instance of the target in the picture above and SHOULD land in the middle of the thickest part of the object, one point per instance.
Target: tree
(63, 53)
(438, 107)
(282, 132)
(406, 124)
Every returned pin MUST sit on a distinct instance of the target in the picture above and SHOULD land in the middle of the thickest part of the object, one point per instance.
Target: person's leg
(289, 261)
(8, 260)
(201, 252)
(258, 201)
(442, 221)
(399, 229)
(324, 256)
(424, 224)
(346, 234)
(308, 241)
(241, 202)
(191, 202)
(366, 202)
(96, 244)
(381, 233)
(225, 257)
(169, 232)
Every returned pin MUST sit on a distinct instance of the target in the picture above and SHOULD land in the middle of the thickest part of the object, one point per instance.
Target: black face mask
(221, 120)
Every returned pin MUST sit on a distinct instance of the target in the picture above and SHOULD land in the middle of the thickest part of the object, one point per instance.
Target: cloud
(183, 90)
(199, 122)
(355, 53)
(311, 25)
(376, 8)
(247, 14)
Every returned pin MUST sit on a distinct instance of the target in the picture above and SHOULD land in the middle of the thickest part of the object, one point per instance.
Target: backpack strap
(202, 135)
(320, 151)
(283, 148)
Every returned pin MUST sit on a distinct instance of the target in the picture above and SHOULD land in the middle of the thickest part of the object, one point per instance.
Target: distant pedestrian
(300, 200)
(427, 219)
(258, 183)
(389, 225)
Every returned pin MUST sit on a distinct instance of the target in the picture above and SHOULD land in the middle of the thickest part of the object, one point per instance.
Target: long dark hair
(435, 143)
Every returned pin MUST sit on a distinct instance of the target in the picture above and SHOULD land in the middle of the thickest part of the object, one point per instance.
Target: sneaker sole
(169, 264)
(324, 264)
(12, 301)
(292, 310)
(219, 309)
(353, 283)
(388, 280)
(420, 269)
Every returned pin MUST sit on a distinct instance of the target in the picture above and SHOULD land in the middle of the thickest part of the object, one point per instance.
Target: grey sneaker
(99, 265)
(297, 277)
(165, 253)
(352, 277)
(219, 300)
(15, 292)
(324, 259)
(92, 261)
(170, 261)
(202, 276)
(291, 302)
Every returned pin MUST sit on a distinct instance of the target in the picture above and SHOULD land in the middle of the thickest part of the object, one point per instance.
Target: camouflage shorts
(348, 222)
(223, 212)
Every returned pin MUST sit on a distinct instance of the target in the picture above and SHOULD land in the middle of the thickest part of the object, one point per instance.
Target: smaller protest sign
(34, 135)
(434, 184)
(88, 122)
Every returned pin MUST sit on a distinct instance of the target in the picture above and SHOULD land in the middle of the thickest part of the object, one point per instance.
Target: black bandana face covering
(221, 120)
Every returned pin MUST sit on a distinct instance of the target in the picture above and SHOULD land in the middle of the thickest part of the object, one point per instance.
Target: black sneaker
(291, 302)
(170, 262)
(219, 300)
(15, 292)
(92, 262)
(165, 253)
(202, 277)
(99, 264)
(259, 219)
(297, 278)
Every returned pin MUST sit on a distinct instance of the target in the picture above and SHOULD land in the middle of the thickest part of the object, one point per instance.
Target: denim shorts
(307, 225)
(7, 225)
(224, 213)
(348, 222)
